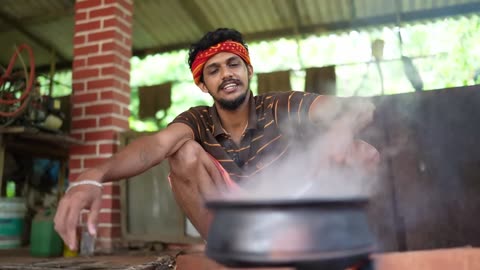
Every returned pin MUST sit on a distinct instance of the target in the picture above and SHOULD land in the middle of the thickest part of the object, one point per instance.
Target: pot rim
(287, 203)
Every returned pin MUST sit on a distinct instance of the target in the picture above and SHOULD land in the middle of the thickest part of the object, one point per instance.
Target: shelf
(36, 142)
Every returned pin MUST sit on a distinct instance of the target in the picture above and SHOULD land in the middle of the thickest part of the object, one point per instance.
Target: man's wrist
(84, 182)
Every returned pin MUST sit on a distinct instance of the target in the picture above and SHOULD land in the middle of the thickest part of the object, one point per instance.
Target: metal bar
(18, 25)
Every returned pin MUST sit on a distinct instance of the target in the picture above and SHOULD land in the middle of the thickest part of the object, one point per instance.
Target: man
(216, 148)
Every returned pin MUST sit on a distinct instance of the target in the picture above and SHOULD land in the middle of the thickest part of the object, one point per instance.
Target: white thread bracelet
(84, 182)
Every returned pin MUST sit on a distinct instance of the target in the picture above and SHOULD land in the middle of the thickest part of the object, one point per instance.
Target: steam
(326, 163)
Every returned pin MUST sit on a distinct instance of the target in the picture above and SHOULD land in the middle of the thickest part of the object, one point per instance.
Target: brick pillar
(101, 96)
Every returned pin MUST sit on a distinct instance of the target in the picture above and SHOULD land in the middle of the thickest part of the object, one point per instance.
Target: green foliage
(445, 52)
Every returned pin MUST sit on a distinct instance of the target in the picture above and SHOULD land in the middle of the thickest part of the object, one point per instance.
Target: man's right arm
(142, 154)
(134, 159)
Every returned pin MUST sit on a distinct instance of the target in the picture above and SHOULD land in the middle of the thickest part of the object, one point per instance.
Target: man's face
(226, 77)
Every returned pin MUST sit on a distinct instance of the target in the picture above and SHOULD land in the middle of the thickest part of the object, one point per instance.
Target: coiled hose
(7, 76)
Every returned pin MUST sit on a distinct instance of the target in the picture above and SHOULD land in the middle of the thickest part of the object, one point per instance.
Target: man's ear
(250, 71)
(203, 87)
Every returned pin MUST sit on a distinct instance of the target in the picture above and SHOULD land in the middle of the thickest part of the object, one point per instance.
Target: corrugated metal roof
(164, 25)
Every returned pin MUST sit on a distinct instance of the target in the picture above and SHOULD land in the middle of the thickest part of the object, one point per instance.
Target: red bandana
(226, 46)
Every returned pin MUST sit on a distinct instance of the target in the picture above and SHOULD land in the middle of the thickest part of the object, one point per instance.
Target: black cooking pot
(307, 233)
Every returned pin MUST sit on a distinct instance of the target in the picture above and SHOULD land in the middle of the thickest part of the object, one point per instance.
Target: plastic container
(44, 240)
(12, 218)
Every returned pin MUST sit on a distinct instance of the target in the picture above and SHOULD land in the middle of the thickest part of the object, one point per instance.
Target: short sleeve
(190, 118)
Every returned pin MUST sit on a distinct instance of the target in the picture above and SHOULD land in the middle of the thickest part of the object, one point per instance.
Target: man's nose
(226, 73)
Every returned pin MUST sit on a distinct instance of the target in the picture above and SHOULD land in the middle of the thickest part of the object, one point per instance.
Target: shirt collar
(252, 117)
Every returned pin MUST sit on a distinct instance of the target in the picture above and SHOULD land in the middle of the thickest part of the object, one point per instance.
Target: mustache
(235, 81)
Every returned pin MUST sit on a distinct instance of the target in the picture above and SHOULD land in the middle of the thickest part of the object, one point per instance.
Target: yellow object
(67, 253)
(57, 104)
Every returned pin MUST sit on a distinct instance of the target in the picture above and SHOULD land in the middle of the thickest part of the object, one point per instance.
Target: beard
(232, 105)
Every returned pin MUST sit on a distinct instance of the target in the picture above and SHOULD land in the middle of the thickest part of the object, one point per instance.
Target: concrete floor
(21, 259)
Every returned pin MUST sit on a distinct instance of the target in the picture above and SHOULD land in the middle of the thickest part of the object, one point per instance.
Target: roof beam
(196, 13)
(44, 19)
(343, 25)
(297, 22)
(17, 24)
(316, 29)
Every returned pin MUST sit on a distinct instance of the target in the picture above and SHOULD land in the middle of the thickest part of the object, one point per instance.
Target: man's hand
(68, 212)
(364, 156)
(340, 142)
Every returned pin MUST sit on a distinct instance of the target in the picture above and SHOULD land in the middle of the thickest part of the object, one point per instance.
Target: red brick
(108, 46)
(100, 135)
(83, 150)
(126, 65)
(78, 86)
(84, 123)
(78, 63)
(86, 50)
(125, 88)
(110, 203)
(85, 97)
(107, 148)
(102, 109)
(78, 111)
(109, 232)
(112, 95)
(111, 189)
(93, 162)
(126, 112)
(113, 218)
(118, 72)
(86, 73)
(102, 59)
(77, 136)
(126, 5)
(87, 4)
(102, 83)
(75, 163)
(114, 121)
(87, 26)
(110, 22)
(79, 39)
(118, 24)
(128, 42)
(196, 261)
(104, 35)
(104, 12)
(466, 258)
(80, 16)
(125, 29)
(113, 46)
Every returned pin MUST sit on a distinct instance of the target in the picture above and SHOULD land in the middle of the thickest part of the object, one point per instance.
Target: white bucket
(12, 214)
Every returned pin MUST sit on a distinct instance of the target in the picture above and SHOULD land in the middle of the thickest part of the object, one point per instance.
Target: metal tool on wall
(16, 86)
(21, 102)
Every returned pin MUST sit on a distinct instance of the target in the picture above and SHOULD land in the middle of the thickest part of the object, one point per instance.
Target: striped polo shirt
(264, 140)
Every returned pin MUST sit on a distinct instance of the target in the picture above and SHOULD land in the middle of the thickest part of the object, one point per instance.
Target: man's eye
(233, 64)
(213, 71)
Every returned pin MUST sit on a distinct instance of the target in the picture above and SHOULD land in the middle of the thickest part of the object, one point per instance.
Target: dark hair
(212, 38)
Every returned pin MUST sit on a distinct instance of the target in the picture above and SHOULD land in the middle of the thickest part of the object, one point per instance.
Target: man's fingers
(93, 217)
(214, 174)
(59, 219)
(206, 185)
(217, 178)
